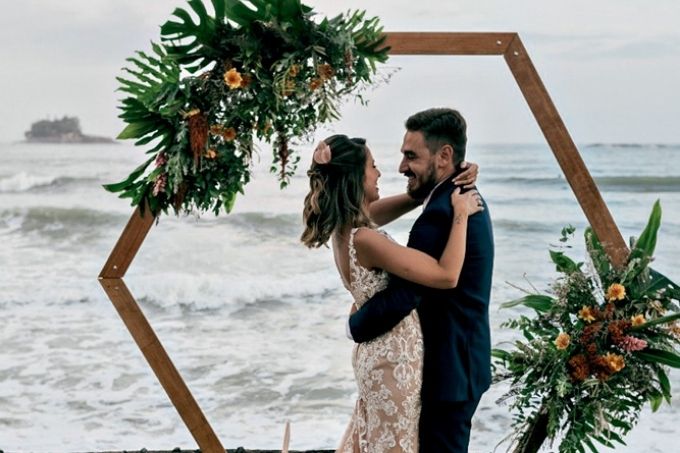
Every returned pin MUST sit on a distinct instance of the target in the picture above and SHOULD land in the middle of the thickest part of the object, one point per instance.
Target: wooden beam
(510, 46)
(419, 43)
(128, 244)
(401, 43)
(162, 366)
(564, 149)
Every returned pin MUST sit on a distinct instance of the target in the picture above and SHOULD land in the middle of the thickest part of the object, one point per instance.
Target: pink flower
(159, 184)
(631, 344)
(161, 159)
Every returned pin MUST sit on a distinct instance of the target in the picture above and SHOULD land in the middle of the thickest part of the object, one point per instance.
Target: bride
(343, 205)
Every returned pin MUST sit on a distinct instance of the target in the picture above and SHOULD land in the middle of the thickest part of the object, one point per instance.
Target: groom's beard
(420, 187)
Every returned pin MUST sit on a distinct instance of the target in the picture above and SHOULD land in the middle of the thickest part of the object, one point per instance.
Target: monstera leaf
(155, 96)
(368, 36)
(289, 11)
(192, 42)
(267, 72)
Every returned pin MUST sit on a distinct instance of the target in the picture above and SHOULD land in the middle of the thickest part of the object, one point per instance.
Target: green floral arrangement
(596, 350)
(257, 70)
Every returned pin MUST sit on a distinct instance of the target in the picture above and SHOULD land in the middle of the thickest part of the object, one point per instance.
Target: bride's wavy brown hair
(336, 191)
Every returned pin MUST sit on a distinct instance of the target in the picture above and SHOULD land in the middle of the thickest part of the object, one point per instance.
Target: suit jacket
(455, 322)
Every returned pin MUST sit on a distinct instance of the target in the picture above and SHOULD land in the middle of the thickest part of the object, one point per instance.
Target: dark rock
(65, 130)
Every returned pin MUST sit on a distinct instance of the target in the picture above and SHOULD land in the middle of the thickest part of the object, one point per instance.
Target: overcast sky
(612, 67)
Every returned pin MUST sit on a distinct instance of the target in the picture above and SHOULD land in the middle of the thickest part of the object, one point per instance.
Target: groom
(455, 322)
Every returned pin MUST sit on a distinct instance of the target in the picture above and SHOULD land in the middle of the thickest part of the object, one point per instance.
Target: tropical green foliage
(597, 348)
(218, 81)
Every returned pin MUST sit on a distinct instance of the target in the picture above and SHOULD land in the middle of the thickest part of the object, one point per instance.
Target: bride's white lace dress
(388, 371)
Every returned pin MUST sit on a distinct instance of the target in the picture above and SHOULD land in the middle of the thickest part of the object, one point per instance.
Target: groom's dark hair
(441, 126)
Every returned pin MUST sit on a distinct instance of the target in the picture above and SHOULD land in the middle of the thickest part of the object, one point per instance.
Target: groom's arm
(387, 209)
(384, 310)
(387, 308)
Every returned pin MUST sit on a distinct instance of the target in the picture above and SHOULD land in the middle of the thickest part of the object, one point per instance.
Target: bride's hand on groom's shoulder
(469, 202)
(467, 178)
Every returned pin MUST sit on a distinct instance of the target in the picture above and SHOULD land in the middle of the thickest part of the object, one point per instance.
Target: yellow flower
(192, 112)
(586, 314)
(616, 292)
(229, 134)
(211, 154)
(562, 341)
(615, 362)
(638, 320)
(233, 78)
(216, 129)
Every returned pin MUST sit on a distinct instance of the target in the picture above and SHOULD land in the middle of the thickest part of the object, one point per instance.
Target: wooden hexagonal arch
(511, 48)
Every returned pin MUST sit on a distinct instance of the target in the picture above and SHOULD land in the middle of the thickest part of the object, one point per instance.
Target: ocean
(253, 320)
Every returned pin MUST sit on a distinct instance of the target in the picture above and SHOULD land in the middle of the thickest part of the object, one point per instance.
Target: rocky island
(64, 130)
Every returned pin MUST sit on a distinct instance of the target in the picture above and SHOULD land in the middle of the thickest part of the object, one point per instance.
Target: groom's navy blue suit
(455, 324)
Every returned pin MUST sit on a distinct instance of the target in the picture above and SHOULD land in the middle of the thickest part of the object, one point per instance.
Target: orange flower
(294, 70)
(615, 362)
(246, 80)
(229, 134)
(638, 320)
(325, 71)
(315, 84)
(211, 154)
(617, 329)
(562, 341)
(587, 314)
(616, 292)
(600, 367)
(216, 129)
(579, 367)
(233, 78)
(590, 332)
